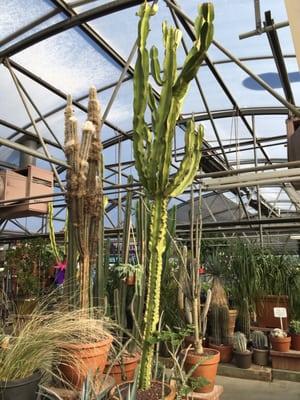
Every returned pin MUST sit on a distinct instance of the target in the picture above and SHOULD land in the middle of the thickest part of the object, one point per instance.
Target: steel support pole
(260, 81)
(16, 82)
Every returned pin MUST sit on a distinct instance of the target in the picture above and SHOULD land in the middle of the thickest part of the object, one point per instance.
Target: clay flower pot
(207, 368)
(92, 358)
(281, 344)
(123, 370)
(295, 341)
(120, 392)
(261, 356)
(225, 352)
(243, 360)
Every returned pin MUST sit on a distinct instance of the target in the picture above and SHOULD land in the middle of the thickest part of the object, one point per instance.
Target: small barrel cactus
(259, 340)
(278, 333)
(240, 342)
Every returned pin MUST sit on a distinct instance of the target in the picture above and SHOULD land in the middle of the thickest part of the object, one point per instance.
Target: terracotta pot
(231, 322)
(207, 368)
(265, 313)
(295, 341)
(225, 352)
(261, 356)
(120, 392)
(92, 358)
(123, 370)
(130, 280)
(243, 360)
(281, 344)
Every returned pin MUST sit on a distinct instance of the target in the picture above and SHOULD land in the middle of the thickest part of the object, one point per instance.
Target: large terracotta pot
(225, 352)
(295, 341)
(207, 368)
(80, 360)
(281, 344)
(231, 322)
(265, 313)
(120, 392)
(123, 370)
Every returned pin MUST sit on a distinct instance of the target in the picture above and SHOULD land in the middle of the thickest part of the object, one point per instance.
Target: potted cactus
(242, 355)
(280, 341)
(219, 338)
(260, 348)
(153, 146)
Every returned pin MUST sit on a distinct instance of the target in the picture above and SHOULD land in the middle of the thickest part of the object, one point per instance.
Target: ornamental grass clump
(37, 344)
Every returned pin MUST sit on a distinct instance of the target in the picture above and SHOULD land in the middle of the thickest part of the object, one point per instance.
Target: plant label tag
(280, 312)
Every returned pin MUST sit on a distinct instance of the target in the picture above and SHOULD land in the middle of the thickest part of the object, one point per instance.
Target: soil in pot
(243, 360)
(21, 389)
(225, 352)
(86, 358)
(261, 356)
(207, 368)
(123, 370)
(155, 392)
(295, 342)
(281, 344)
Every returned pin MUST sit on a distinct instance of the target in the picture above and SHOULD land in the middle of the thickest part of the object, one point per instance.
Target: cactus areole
(153, 146)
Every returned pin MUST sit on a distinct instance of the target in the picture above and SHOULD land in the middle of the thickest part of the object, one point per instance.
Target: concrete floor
(242, 389)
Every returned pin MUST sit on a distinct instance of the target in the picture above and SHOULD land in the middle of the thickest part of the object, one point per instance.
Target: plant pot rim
(220, 345)
(37, 375)
(260, 350)
(78, 346)
(171, 394)
(280, 339)
(246, 353)
(128, 359)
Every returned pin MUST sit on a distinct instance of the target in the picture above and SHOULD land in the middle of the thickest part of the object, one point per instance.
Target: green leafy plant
(294, 327)
(153, 147)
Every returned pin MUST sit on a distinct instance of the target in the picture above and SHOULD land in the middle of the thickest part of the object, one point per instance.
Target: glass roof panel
(70, 61)
(14, 14)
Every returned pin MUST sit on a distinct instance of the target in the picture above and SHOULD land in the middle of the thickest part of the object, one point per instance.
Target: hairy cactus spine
(153, 148)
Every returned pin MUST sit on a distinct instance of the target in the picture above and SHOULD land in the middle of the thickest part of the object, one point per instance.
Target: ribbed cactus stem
(259, 340)
(157, 246)
(224, 321)
(240, 342)
(215, 324)
(244, 318)
(153, 147)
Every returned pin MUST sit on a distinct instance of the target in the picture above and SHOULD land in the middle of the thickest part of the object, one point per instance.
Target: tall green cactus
(153, 147)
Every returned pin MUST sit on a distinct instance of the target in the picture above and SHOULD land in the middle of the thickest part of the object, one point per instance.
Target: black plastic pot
(261, 357)
(243, 360)
(21, 389)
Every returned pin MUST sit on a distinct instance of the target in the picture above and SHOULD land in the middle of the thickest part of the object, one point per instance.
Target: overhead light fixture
(295, 237)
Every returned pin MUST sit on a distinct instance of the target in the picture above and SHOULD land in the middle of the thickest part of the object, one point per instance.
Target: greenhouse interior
(149, 199)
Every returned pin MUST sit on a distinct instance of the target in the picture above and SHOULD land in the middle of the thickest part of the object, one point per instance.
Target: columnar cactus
(84, 190)
(243, 321)
(153, 147)
(240, 342)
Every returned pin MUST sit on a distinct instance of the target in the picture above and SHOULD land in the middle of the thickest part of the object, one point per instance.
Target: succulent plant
(259, 340)
(294, 327)
(153, 147)
(278, 333)
(240, 342)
